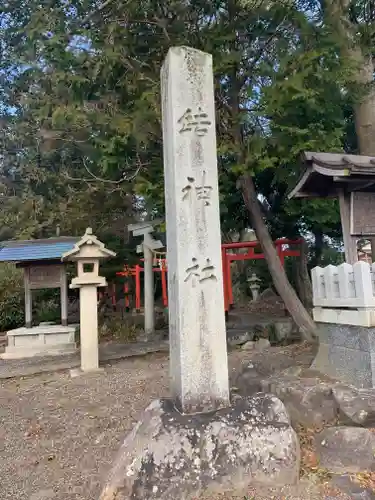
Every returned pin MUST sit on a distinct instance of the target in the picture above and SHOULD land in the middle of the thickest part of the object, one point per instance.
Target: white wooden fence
(344, 286)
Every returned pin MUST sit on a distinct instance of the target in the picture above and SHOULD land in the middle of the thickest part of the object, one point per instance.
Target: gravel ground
(58, 436)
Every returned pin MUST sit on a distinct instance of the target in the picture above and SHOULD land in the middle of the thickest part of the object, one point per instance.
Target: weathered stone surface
(238, 337)
(356, 406)
(309, 401)
(356, 492)
(345, 353)
(262, 344)
(292, 371)
(284, 328)
(264, 364)
(249, 380)
(259, 345)
(43, 495)
(346, 449)
(170, 456)
(248, 346)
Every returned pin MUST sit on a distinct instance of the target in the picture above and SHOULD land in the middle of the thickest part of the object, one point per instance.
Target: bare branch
(95, 178)
(97, 11)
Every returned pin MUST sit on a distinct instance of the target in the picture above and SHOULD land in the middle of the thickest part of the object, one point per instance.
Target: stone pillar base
(78, 372)
(347, 353)
(172, 456)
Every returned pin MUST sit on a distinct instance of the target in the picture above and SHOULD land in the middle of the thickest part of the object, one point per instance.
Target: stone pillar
(198, 353)
(149, 244)
(64, 297)
(148, 291)
(89, 328)
(28, 298)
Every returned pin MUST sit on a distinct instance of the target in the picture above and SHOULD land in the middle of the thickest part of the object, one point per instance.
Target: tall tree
(353, 23)
(82, 100)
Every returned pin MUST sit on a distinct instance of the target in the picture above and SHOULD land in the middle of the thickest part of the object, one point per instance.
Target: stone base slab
(169, 456)
(347, 353)
(42, 340)
(357, 317)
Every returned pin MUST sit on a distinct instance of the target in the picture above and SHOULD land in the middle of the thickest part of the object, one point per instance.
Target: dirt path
(58, 435)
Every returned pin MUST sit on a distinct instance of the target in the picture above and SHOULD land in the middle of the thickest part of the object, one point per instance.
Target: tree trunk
(337, 15)
(279, 277)
(302, 277)
(364, 110)
(318, 247)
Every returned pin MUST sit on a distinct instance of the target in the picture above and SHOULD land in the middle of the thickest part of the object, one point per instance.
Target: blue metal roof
(32, 250)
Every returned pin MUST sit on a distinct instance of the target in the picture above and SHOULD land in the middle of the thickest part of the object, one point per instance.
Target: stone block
(349, 486)
(248, 346)
(262, 344)
(238, 337)
(169, 456)
(284, 328)
(249, 381)
(347, 353)
(309, 401)
(346, 449)
(42, 340)
(356, 406)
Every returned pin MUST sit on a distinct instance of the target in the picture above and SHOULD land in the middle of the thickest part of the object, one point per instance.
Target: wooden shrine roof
(326, 174)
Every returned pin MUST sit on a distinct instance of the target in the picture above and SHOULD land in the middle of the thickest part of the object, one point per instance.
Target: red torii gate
(227, 258)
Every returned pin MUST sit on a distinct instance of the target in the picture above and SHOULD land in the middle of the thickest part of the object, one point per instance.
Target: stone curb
(17, 368)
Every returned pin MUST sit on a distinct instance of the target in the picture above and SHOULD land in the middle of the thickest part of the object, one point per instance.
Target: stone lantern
(254, 286)
(87, 252)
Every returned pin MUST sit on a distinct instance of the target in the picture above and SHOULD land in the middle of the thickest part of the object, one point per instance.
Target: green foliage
(46, 306)
(80, 111)
(11, 297)
(118, 329)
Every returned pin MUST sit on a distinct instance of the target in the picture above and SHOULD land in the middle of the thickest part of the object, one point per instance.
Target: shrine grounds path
(59, 435)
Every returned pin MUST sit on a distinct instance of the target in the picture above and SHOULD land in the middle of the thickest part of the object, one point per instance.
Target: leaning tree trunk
(302, 277)
(279, 277)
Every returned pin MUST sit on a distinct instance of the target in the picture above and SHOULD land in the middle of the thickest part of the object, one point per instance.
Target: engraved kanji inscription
(203, 191)
(193, 270)
(197, 123)
(187, 189)
(204, 273)
(208, 272)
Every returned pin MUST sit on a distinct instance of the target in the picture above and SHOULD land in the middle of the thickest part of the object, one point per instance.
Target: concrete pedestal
(347, 352)
(42, 340)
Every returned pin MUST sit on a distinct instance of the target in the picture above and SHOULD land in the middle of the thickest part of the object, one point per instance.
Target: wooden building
(350, 178)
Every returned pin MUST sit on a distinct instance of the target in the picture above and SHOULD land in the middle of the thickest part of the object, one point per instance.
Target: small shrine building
(351, 179)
